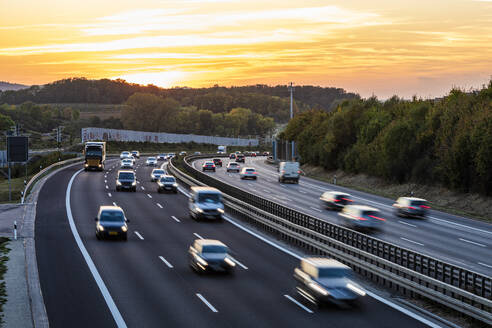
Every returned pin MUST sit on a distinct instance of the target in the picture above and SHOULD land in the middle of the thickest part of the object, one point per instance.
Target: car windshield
(158, 172)
(112, 216)
(125, 153)
(134, 152)
(327, 273)
(250, 170)
(418, 202)
(233, 164)
(168, 179)
(126, 176)
(151, 159)
(208, 198)
(214, 249)
(93, 151)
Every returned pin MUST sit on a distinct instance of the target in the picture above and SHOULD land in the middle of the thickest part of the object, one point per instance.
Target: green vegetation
(446, 142)
(4, 251)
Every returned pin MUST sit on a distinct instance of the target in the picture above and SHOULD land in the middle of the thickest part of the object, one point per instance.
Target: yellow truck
(95, 155)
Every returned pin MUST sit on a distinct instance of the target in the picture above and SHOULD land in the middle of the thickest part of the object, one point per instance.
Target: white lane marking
(109, 194)
(472, 242)
(114, 204)
(198, 236)
(461, 225)
(239, 263)
(316, 209)
(148, 195)
(105, 181)
(298, 304)
(411, 241)
(267, 191)
(204, 300)
(92, 267)
(107, 187)
(283, 186)
(175, 219)
(408, 224)
(139, 235)
(302, 192)
(142, 187)
(159, 205)
(167, 263)
(485, 265)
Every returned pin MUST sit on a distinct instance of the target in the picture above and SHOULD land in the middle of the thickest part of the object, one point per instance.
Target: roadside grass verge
(4, 251)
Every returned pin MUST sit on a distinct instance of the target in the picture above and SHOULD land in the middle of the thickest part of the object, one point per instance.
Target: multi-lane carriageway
(146, 281)
(460, 241)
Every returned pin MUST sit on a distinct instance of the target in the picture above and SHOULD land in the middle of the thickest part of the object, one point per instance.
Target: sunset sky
(403, 47)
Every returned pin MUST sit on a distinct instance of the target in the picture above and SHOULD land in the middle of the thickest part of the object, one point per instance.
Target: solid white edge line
(197, 235)
(460, 225)
(165, 261)
(92, 267)
(204, 300)
(139, 235)
(290, 298)
(175, 219)
(472, 242)
(239, 263)
(485, 265)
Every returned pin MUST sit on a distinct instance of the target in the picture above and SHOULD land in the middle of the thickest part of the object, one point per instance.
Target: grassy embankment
(4, 250)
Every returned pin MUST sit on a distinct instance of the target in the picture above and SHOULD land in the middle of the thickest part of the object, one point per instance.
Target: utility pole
(291, 89)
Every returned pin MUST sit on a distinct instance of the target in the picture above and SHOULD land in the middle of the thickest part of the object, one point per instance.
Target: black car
(167, 183)
(111, 222)
(217, 162)
(411, 207)
(126, 180)
(208, 255)
(208, 166)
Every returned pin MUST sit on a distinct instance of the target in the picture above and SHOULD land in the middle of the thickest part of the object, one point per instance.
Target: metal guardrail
(410, 272)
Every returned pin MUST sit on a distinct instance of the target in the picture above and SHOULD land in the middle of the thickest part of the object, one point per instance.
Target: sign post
(17, 152)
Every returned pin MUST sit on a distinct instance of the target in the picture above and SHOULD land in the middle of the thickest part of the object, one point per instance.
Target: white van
(289, 171)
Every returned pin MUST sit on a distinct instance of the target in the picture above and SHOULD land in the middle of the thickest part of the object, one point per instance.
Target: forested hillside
(447, 142)
(260, 99)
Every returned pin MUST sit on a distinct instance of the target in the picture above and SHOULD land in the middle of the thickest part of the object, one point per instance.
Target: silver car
(411, 207)
(206, 255)
(156, 174)
(151, 161)
(248, 173)
(362, 217)
(335, 200)
(126, 164)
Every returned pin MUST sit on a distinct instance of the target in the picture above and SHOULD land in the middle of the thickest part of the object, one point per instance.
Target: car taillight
(254, 172)
(411, 207)
(362, 219)
(283, 171)
(298, 172)
(336, 200)
(425, 206)
(348, 200)
(377, 218)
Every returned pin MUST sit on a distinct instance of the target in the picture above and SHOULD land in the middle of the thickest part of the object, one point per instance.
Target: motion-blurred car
(198, 153)
(156, 174)
(208, 166)
(126, 164)
(167, 183)
(233, 167)
(125, 154)
(322, 280)
(248, 173)
(183, 153)
(151, 161)
(362, 217)
(411, 207)
(289, 171)
(205, 203)
(217, 162)
(240, 158)
(135, 153)
(161, 157)
(126, 180)
(335, 200)
(232, 156)
(171, 155)
(111, 222)
(206, 255)
(253, 154)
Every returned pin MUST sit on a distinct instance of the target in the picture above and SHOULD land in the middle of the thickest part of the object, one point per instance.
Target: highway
(146, 281)
(457, 240)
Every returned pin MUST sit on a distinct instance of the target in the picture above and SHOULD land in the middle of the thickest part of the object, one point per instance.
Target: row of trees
(148, 112)
(448, 141)
(261, 99)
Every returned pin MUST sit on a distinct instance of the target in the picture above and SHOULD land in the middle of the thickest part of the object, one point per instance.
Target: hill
(5, 86)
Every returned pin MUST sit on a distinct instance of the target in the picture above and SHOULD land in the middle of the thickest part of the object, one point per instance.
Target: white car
(362, 217)
(125, 154)
(248, 173)
(151, 161)
(127, 163)
(156, 174)
(233, 167)
(335, 200)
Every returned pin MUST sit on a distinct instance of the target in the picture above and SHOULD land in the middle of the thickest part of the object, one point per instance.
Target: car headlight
(230, 262)
(318, 289)
(175, 185)
(201, 261)
(356, 289)
(100, 227)
(118, 183)
(124, 228)
(199, 210)
(220, 210)
(99, 165)
(134, 183)
(86, 165)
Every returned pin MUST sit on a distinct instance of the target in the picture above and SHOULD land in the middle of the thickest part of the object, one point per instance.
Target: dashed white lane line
(298, 304)
(107, 187)
(412, 241)
(472, 242)
(159, 205)
(302, 192)
(204, 300)
(240, 264)
(139, 235)
(114, 204)
(175, 219)
(267, 191)
(142, 187)
(316, 209)
(485, 265)
(197, 235)
(148, 195)
(408, 224)
(109, 194)
(166, 262)
(105, 181)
